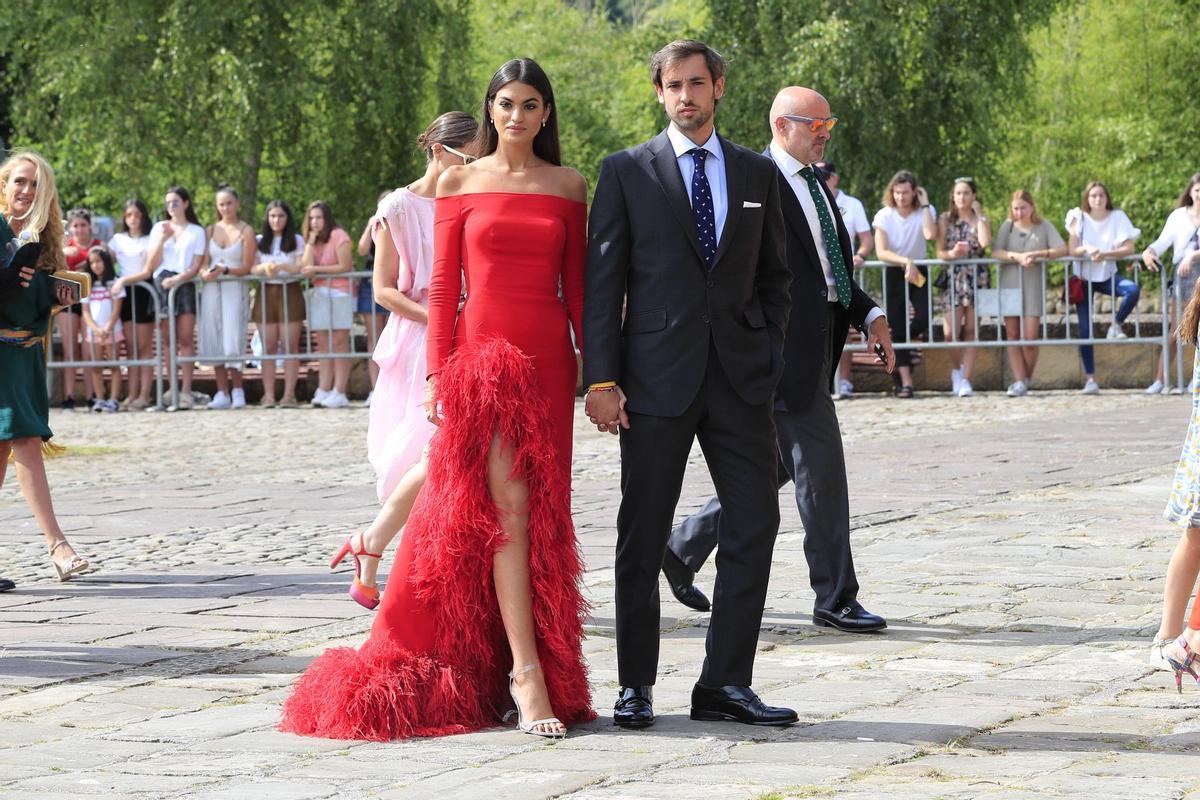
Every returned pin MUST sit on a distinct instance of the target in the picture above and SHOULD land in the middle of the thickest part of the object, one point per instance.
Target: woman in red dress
(483, 602)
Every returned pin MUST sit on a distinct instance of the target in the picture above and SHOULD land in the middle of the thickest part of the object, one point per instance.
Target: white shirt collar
(681, 144)
(784, 159)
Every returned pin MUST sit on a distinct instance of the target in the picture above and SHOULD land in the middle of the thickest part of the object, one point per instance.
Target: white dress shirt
(714, 170)
(790, 168)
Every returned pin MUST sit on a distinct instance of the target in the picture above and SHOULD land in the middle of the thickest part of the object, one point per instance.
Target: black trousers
(810, 455)
(738, 441)
(897, 310)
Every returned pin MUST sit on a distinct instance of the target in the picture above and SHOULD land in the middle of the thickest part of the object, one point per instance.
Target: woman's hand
(64, 295)
(432, 409)
(312, 270)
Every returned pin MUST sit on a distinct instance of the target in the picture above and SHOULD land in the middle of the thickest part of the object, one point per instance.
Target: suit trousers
(738, 442)
(810, 455)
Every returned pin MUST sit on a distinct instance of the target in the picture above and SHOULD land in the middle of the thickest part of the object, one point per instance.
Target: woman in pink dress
(399, 432)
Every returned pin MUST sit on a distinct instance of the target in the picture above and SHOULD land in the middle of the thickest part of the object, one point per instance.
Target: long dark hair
(145, 212)
(1185, 199)
(287, 239)
(186, 196)
(326, 214)
(110, 271)
(951, 209)
(527, 71)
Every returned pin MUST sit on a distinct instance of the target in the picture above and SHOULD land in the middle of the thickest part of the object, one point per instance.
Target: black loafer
(680, 578)
(6, 585)
(634, 707)
(851, 619)
(736, 704)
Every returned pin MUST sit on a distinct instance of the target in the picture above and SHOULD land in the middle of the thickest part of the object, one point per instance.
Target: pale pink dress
(398, 431)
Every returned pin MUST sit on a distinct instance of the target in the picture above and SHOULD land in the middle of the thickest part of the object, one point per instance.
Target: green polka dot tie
(833, 246)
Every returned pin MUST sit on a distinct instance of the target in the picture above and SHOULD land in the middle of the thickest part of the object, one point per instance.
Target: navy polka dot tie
(833, 247)
(702, 207)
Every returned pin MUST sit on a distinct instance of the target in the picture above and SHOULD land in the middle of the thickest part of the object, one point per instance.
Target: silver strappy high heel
(531, 727)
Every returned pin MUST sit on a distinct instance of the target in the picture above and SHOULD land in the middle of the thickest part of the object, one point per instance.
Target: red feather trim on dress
(384, 691)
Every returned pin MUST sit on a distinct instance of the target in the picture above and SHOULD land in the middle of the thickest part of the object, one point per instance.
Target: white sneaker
(845, 388)
(1091, 387)
(320, 397)
(964, 388)
(335, 399)
(1155, 388)
(1018, 389)
(1115, 332)
(955, 379)
(238, 399)
(370, 394)
(109, 406)
(219, 402)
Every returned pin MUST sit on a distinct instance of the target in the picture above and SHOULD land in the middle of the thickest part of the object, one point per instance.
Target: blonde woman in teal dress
(29, 203)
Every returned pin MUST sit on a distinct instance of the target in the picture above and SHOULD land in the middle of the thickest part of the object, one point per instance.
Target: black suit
(810, 442)
(698, 355)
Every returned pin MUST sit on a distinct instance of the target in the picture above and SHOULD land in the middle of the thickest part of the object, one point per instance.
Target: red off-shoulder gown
(437, 657)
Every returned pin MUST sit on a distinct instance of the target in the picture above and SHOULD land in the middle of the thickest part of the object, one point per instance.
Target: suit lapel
(793, 212)
(735, 194)
(665, 169)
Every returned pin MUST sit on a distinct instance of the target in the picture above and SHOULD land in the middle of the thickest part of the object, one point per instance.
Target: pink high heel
(1181, 657)
(365, 596)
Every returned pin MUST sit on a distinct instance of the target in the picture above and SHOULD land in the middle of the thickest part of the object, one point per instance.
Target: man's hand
(879, 334)
(606, 410)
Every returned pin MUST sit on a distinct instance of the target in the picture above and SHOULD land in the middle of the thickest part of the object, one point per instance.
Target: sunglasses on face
(466, 158)
(814, 123)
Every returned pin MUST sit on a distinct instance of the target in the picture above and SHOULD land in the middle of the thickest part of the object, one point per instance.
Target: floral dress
(965, 278)
(1183, 508)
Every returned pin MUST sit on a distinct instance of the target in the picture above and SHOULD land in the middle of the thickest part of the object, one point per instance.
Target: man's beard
(697, 120)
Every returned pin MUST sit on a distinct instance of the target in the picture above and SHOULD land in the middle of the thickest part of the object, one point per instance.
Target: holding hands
(605, 409)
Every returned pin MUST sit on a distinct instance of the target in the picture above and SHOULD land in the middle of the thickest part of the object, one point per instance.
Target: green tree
(917, 84)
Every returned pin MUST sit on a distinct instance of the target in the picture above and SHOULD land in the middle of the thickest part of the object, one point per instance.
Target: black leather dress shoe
(736, 704)
(635, 707)
(6, 585)
(852, 619)
(680, 578)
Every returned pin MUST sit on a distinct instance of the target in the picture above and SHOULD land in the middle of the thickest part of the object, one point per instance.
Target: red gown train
(437, 657)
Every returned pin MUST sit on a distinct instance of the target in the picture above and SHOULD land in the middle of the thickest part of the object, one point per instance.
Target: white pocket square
(748, 204)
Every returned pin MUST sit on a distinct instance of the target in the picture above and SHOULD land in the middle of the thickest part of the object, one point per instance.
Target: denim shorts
(185, 294)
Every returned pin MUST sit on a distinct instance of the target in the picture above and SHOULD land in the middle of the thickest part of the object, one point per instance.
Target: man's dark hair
(680, 49)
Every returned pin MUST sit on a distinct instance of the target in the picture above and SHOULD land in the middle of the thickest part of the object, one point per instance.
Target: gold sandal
(74, 566)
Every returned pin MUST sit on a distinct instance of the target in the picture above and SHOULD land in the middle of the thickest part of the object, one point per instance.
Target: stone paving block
(490, 783)
(208, 724)
(269, 789)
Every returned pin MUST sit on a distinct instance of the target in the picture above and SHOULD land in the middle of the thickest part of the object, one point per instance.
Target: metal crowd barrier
(306, 351)
(997, 303)
(136, 359)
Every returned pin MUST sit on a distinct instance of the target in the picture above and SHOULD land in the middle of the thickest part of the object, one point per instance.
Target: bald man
(825, 301)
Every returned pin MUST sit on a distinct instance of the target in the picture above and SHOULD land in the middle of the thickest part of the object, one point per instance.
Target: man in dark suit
(686, 233)
(825, 300)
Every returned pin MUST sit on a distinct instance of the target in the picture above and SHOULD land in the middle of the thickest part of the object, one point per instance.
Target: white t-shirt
(1179, 234)
(178, 251)
(131, 253)
(1106, 234)
(904, 234)
(100, 303)
(853, 215)
(286, 261)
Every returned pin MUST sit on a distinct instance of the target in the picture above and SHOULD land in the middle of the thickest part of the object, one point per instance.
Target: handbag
(1075, 290)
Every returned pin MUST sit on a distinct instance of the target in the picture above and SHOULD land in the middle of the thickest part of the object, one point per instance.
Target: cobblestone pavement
(1014, 545)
